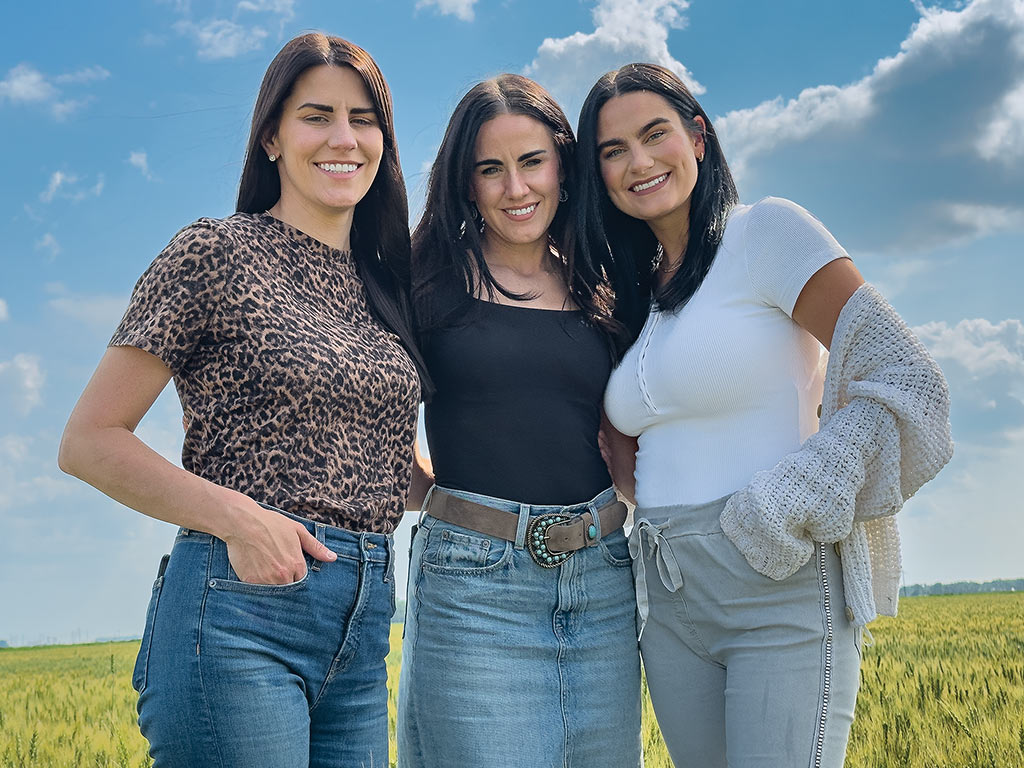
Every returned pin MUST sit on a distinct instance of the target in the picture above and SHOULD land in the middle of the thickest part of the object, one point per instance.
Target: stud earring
(563, 194)
(271, 158)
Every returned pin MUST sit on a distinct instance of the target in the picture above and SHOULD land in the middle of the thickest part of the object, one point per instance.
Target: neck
(333, 228)
(673, 232)
(524, 259)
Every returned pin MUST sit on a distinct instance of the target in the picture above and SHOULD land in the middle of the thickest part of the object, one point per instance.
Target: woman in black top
(520, 644)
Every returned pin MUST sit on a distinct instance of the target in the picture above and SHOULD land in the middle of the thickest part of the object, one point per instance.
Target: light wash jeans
(744, 671)
(232, 674)
(509, 664)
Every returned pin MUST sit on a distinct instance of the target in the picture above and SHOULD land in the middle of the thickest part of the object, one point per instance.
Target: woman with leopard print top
(286, 330)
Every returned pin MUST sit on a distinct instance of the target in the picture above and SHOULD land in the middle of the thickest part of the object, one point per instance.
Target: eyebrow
(641, 132)
(329, 108)
(521, 158)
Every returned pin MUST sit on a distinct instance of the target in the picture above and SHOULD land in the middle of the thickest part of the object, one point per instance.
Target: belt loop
(318, 531)
(425, 509)
(595, 518)
(524, 520)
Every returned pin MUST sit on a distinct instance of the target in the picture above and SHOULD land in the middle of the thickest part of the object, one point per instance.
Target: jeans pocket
(140, 673)
(615, 549)
(453, 551)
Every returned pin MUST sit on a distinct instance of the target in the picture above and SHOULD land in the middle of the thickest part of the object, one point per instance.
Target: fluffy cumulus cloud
(227, 38)
(97, 312)
(4, 313)
(461, 9)
(984, 363)
(930, 144)
(221, 38)
(624, 31)
(24, 84)
(21, 382)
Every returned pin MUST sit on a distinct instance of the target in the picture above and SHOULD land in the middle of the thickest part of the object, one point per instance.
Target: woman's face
(648, 159)
(516, 178)
(328, 142)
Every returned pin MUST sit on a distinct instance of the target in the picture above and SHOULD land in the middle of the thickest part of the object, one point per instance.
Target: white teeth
(649, 184)
(522, 211)
(338, 167)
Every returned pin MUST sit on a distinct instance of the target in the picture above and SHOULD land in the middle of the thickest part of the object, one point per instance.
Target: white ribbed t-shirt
(729, 384)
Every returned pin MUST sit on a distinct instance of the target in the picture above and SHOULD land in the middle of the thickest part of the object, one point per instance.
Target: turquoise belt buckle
(536, 540)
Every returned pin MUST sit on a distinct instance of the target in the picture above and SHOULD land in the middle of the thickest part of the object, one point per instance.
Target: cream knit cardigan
(884, 432)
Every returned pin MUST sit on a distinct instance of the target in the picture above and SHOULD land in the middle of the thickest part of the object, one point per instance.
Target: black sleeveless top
(518, 404)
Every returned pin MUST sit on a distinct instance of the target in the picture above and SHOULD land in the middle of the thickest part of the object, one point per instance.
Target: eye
(490, 170)
(655, 135)
(319, 119)
(363, 120)
(533, 161)
(613, 153)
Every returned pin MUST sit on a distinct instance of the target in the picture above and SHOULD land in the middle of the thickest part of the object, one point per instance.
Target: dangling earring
(271, 158)
(474, 210)
(701, 158)
(563, 194)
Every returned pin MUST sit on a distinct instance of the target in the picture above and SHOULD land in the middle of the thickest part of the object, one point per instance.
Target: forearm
(116, 462)
(422, 479)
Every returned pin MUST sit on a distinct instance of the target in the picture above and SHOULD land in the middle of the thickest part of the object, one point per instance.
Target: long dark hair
(628, 245)
(380, 222)
(447, 247)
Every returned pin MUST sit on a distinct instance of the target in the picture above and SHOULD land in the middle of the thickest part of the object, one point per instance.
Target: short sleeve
(173, 301)
(784, 246)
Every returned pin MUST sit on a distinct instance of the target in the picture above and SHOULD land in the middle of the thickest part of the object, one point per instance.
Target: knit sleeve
(784, 246)
(173, 301)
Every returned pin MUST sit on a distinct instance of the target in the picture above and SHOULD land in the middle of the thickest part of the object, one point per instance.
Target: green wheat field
(943, 685)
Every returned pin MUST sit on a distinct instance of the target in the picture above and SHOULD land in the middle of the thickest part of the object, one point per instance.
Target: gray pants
(743, 671)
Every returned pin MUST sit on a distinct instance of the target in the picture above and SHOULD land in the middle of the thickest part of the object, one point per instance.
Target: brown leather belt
(551, 539)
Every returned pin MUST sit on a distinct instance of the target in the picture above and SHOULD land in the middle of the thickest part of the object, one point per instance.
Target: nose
(342, 136)
(640, 159)
(515, 185)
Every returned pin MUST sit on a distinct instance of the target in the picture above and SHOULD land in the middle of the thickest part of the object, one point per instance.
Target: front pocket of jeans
(615, 549)
(453, 552)
(234, 584)
(140, 673)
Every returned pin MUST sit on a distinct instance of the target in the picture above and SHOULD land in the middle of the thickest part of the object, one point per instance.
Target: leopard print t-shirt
(293, 393)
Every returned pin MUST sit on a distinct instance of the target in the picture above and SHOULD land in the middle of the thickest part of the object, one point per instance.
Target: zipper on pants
(827, 672)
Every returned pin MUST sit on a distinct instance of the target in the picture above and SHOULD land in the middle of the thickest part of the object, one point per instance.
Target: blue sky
(900, 125)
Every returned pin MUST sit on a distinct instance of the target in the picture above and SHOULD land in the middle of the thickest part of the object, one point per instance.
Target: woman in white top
(751, 658)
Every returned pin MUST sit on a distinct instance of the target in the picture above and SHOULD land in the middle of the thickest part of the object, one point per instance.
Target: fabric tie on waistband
(661, 550)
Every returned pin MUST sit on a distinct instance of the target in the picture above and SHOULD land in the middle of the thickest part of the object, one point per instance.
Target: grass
(943, 685)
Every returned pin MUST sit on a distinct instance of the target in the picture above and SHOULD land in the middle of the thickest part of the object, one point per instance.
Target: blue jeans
(743, 671)
(282, 676)
(508, 664)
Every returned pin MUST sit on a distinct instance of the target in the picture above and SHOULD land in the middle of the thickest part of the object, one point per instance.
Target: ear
(270, 144)
(699, 135)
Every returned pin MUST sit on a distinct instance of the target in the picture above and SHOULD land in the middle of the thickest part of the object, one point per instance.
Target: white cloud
(222, 39)
(87, 75)
(283, 8)
(49, 244)
(21, 382)
(139, 160)
(461, 9)
(101, 312)
(4, 314)
(57, 180)
(24, 84)
(911, 142)
(624, 31)
(896, 276)
(64, 185)
(982, 347)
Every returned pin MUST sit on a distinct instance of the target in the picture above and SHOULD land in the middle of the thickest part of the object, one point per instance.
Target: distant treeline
(963, 587)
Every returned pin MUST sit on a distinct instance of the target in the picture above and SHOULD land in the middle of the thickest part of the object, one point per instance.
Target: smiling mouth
(643, 186)
(338, 167)
(526, 210)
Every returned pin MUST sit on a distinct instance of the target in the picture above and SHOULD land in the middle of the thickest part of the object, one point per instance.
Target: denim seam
(821, 720)
(199, 660)
(350, 639)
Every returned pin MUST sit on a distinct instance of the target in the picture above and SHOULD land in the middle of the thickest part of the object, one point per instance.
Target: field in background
(943, 685)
